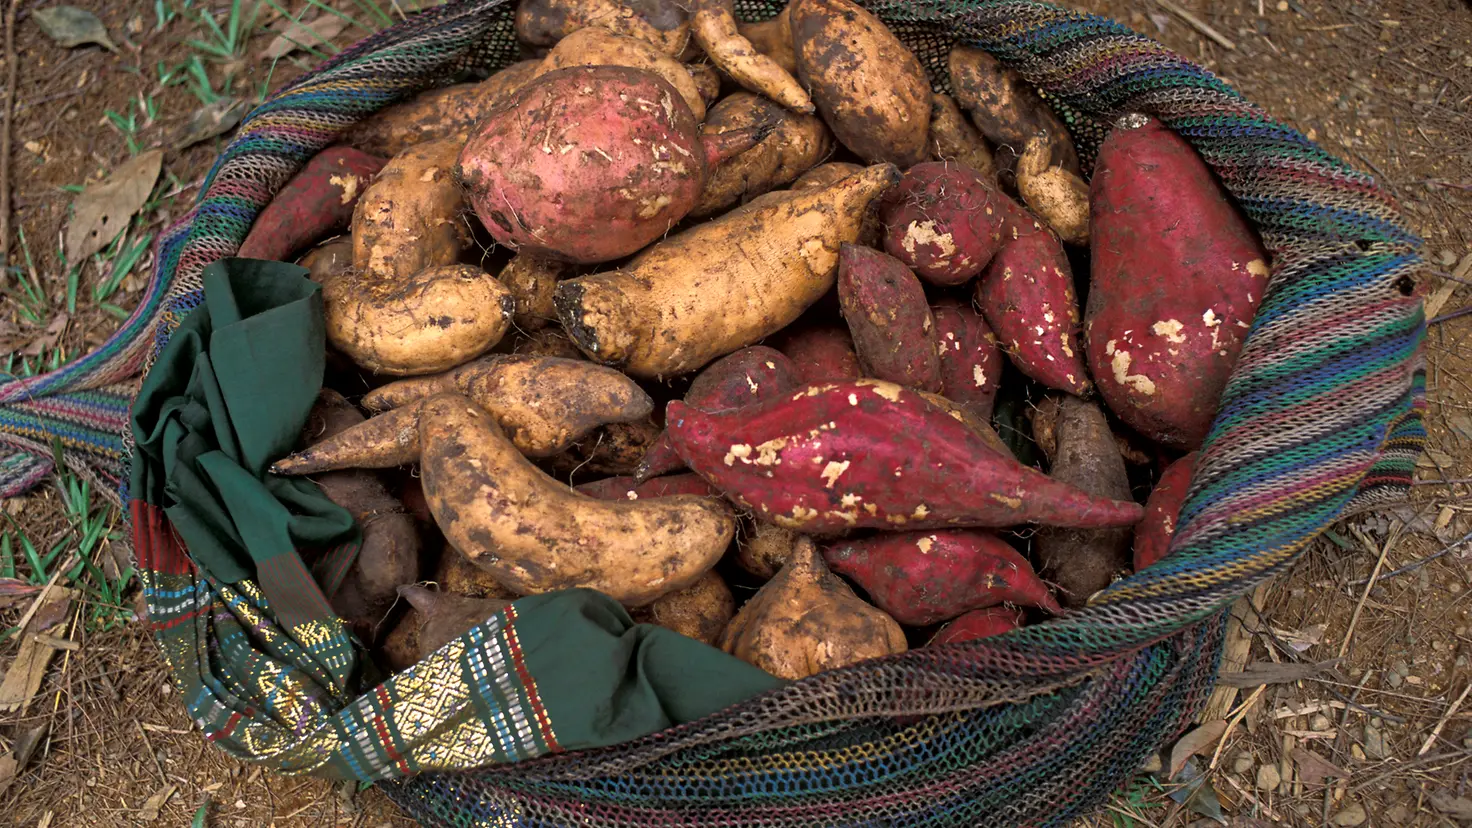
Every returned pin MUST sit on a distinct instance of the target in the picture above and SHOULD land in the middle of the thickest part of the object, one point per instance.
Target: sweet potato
(945, 222)
(409, 217)
(796, 144)
(821, 353)
(981, 623)
(825, 175)
(954, 139)
(700, 611)
(457, 575)
(389, 554)
(597, 46)
(970, 363)
(1176, 278)
(871, 89)
(871, 454)
(544, 404)
(980, 426)
(885, 307)
(707, 80)
(328, 260)
(400, 648)
(714, 23)
(1153, 534)
(1059, 197)
(1083, 561)
(611, 449)
(623, 487)
(444, 616)
(550, 342)
(763, 548)
(1043, 418)
(1028, 300)
(750, 375)
(807, 620)
(1007, 110)
(688, 300)
(773, 38)
(447, 113)
(535, 535)
(665, 23)
(532, 281)
(314, 203)
(922, 578)
(603, 147)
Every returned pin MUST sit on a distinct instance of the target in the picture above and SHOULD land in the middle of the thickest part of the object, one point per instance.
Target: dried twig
(1441, 723)
(10, 71)
(1198, 24)
(1354, 620)
(1216, 755)
(1414, 565)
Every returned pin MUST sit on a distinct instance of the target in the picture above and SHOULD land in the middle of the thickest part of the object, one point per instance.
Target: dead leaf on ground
(299, 35)
(14, 762)
(49, 337)
(103, 210)
(154, 804)
(1300, 640)
(1197, 741)
(23, 678)
(1313, 768)
(216, 119)
(1196, 792)
(70, 26)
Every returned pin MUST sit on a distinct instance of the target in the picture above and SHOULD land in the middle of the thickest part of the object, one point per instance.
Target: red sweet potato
(1162, 510)
(315, 202)
(1028, 299)
(922, 578)
(871, 454)
(623, 487)
(944, 221)
(887, 314)
(1177, 275)
(970, 362)
(750, 375)
(1083, 561)
(978, 624)
(822, 353)
(601, 147)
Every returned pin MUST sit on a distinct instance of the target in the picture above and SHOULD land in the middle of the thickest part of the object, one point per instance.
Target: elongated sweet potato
(445, 616)
(750, 375)
(532, 281)
(314, 203)
(807, 620)
(687, 300)
(887, 314)
(665, 23)
(954, 139)
(763, 548)
(544, 404)
(797, 143)
(603, 147)
(773, 38)
(821, 353)
(715, 29)
(623, 487)
(1083, 561)
(597, 46)
(1177, 275)
(1007, 110)
(1153, 534)
(611, 449)
(1058, 196)
(447, 113)
(535, 535)
(981, 623)
(870, 88)
(945, 222)
(922, 578)
(700, 611)
(871, 454)
(970, 362)
(825, 175)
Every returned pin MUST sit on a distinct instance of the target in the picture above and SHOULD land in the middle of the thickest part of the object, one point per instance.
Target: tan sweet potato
(327, 260)
(447, 113)
(1059, 197)
(532, 281)
(456, 574)
(796, 144)
(445, 616)
(707, 80)
(700, 611)
(551, 342)
(1083, 561)
(597, 46)
(665, 23)
(687, 300)
(409, 217)
(764, 548)
(534, 534)
(773, 38)
(715, 29)
(807, 620)
(870, 88)
(955, 140)
(616, 448)
(1007, 110)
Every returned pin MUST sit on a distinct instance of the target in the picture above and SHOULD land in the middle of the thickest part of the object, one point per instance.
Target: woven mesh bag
(1322, 417)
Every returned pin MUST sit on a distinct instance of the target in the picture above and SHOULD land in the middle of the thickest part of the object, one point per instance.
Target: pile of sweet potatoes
(727, 320)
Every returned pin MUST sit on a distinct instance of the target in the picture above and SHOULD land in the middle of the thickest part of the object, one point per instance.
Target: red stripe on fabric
(225, 731)
(384, 737)
(544, 723)
(157, 545)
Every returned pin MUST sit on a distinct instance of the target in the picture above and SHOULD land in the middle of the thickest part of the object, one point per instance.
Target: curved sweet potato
(700, 611)
(773, 38)
(945, 222)
(665, 23)
(315, 202)
(447, 113)
(976, 624)
(1154, 532)
(797, 143)
(886, 310)
(1058, 196)
(970, 362)
(1007, 110)
(715, 29)
(597, 46)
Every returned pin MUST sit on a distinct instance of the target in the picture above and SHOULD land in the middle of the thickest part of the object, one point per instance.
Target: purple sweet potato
(317, 201)
(603, 148)
(970, 362)
(1162, 511)
(623, 487)
(887, 314)
(871, 454)
(976, 624)
(750, 375)
(1083, 561)
(1028, 299)
(922, 578)
(1177, 275)
(944, 221)
(822, 353)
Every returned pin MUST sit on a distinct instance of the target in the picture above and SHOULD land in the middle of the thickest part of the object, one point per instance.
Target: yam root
(764, 548)
(597, 46)
(806, 620)
(885, 307)
(821, 353)
(773, 38)
(535, 535)
(700, 611)
(714, 23)
(869, 454)
(1163, 512)
(1007, 110)
(1083, 561)
(922, 578)
(448, 113)
(687, 300)
(665, 23)
(795, 144)
(532, 281)
(1059, 197)
(945, 222)
(316, 202)
(970, 362)
(444, 617)
(954, 140)
(982, 623)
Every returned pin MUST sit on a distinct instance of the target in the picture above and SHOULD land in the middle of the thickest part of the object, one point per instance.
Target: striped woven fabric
(1322, 416)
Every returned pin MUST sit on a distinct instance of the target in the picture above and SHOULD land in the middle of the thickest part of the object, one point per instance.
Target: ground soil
(1385, 85)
